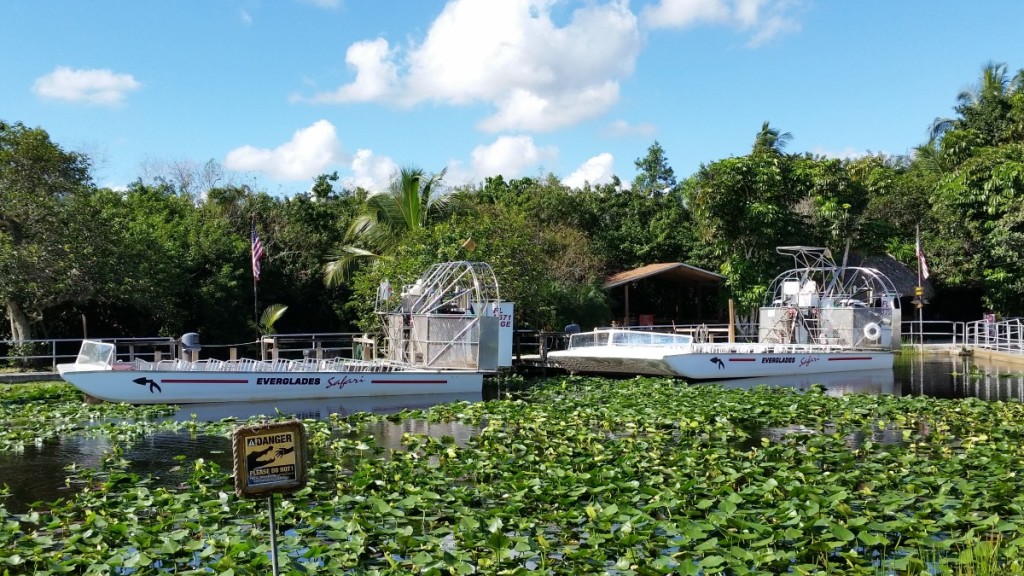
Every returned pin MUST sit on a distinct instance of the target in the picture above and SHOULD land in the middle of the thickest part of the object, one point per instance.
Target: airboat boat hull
(627, 352)
(819, 318)
(190, 384)
(441, 336)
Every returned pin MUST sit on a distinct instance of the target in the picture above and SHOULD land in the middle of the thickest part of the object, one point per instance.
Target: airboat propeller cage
(820, 302)
(451, 317)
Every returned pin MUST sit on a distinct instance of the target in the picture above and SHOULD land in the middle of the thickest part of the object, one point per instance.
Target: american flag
(921, 262)
(257, 253)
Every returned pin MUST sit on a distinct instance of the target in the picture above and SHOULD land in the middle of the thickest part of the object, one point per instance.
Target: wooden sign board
(269, 458)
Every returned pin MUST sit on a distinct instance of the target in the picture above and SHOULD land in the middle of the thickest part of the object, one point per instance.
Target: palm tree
(933, 158)
(411, 200)
(770, 140)
(993, 86)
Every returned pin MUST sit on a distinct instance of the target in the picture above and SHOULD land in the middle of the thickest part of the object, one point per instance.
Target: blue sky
(276, 92)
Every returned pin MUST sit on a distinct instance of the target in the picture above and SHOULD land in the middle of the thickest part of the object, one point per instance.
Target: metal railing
(916, 332)
(1006, 336)
(319, 346)
(45, 354)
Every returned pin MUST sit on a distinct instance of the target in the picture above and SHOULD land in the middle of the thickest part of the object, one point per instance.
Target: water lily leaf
(422, 559)
(842, 532)
(494, 525)
(712, 561)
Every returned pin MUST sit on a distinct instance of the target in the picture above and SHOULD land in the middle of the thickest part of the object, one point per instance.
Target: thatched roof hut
(902, 276)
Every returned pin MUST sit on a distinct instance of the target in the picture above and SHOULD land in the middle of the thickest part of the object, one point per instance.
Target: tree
(978, 192)
(47, 247)
(411, 200)
(985, 108)
(770, 141)
(654, 177)
(744, 207)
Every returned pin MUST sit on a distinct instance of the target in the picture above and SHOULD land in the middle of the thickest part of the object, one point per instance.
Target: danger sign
(269, 458)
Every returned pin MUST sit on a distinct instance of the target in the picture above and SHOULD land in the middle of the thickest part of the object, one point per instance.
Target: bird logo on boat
(717, 360)
(153, 386)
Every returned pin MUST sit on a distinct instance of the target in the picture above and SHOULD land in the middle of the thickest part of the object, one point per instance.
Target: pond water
(38, 473)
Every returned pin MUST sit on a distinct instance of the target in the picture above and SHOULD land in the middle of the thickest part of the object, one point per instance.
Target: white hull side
(708, 366)
(189, 387)
(613, 360)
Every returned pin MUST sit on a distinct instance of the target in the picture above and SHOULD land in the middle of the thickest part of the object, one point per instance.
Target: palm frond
(337, 269)
(271, 314)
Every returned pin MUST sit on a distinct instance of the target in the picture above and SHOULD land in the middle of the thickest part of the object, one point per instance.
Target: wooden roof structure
(671, 270)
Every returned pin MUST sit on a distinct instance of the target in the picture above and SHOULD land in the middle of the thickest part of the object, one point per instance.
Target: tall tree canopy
(979, 197)
(49, 238)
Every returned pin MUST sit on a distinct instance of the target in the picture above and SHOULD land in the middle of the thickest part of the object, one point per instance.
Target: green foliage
(654, 175)
(271, 314)
(503, 240)
(411, 200)
(980, 196)
(744, 208)
(48, 234)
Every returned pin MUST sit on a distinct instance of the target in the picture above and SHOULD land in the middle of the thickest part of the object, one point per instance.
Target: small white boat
(819, 318)
(441, 335)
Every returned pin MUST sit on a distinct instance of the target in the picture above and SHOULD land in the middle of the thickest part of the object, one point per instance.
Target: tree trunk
(21, 329)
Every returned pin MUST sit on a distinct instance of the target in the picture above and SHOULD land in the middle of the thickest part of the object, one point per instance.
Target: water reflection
(835, 383)
(318, 409)
(40, 472)
(959, 377)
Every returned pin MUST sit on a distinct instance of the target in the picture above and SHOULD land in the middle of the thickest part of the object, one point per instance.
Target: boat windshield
(628, 338)
(657, 339)
(99, 353)
(588, 339)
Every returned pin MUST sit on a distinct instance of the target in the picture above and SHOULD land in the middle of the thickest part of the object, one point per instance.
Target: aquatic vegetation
(572, 476)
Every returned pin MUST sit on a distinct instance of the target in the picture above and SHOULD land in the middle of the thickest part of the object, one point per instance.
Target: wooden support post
(732, 321)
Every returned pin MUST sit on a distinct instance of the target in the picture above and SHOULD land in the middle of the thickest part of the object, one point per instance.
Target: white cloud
(376, 74)
(245, 16)
(623, 128)
(683, 13)
(847, 153)
(509, 156)
(525, 111)
(370, 172)
(510, 54)
(323, 3)
(763, 19)
(598, 170)
(101, 87)
(456, 174)
(309, 153)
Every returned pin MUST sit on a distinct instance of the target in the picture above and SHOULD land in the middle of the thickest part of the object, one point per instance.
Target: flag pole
(255, 305)
(920, 287)
(256, 250)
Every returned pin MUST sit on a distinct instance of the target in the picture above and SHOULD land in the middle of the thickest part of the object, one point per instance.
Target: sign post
(269, 458)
